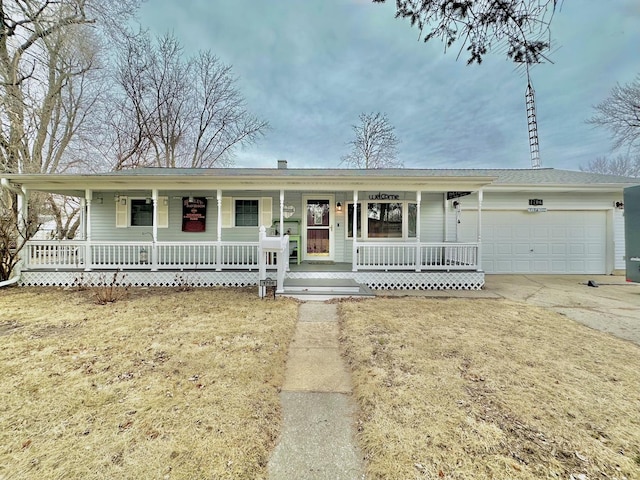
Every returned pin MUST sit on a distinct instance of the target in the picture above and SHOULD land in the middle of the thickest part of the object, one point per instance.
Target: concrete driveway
(613, 306)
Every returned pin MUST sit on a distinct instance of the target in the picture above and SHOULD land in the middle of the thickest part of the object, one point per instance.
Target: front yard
(161, 384)
(469, 389)
(184, 384)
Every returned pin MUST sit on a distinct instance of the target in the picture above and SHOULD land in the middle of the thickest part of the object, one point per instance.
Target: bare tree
(174, 110)
(375, 143)
(620, 114)
(48, 53)
(621, 165)
(519, 28)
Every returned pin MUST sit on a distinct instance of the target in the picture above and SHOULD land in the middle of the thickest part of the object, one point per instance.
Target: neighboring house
(413, 229)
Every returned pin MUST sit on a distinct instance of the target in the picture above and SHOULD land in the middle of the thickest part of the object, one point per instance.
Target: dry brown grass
(470, 389)
(162, 384)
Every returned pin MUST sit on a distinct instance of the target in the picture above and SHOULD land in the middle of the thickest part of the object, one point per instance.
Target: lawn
(161, 384)
(470, 389)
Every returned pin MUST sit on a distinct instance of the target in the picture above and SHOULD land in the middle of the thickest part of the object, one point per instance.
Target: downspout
(11, 281)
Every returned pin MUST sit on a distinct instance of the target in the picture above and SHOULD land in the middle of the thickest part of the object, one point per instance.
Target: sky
(311, 67)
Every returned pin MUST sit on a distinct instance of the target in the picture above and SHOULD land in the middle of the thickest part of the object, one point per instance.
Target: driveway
(613, 306)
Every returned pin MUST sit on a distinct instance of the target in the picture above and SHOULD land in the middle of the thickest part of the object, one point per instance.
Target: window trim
(130, 201)
(364, 224)
(233, 212)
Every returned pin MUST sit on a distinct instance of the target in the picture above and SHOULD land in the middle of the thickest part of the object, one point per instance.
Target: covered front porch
(235, 227)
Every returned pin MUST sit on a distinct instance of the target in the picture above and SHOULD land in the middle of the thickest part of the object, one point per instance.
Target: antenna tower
(534, 146)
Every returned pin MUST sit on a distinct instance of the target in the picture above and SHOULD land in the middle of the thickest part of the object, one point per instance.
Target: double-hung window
(247, 213)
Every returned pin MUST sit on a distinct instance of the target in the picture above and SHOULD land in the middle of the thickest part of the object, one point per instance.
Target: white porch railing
(416, 256)
(136, 255)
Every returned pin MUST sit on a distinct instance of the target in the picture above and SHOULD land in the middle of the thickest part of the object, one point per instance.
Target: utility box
(632, 232)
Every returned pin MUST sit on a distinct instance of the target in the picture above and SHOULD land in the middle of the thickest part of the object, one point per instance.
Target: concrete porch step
(324, 289)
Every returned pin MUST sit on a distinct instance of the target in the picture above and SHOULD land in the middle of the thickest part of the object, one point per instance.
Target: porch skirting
(433, 280)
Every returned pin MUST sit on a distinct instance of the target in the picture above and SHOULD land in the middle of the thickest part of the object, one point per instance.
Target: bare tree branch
(375, 143)
(480, 25)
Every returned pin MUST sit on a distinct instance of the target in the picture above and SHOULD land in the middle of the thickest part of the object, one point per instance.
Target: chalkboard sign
(194, 214)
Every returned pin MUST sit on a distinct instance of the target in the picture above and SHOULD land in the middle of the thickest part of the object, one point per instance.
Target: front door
(318, 228)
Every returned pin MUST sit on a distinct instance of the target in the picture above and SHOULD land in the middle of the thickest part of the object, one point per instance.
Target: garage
(544, 242)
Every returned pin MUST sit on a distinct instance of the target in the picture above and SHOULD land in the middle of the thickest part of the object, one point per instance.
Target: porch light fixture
(339, 207)
(165, 201)
(190, 199)
(147, 201)
(99, 200)
(123, 200)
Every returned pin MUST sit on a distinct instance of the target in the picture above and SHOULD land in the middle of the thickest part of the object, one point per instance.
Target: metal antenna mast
(534, 145)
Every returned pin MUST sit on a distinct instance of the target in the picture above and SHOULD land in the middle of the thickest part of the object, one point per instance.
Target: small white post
(418, 258)
(219, 232)
(262, 263)
(88, 194)
(446, 216)
(479, 259)
(154, 246)
(281, 213)
(354, 260)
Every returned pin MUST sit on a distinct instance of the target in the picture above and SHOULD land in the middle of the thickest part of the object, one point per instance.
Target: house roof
(310, 179)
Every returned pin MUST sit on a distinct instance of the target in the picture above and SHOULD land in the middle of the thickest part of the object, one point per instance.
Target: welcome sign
(194, 214)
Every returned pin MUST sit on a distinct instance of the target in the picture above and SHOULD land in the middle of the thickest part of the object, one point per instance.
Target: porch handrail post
(418, 260)
(154, 246)
(281, 213)
(354, 261)
(479, 248)
(88, 194)
(262, 267)
(283, 261)
(219, 232)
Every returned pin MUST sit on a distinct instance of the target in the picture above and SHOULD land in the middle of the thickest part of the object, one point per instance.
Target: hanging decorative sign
(452, 195)
(288, 211)
(536, 209)
(194, 214)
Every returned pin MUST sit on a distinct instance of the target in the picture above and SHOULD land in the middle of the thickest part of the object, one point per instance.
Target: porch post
(219, 232)
(23, 222)
(88, 194)
(479, 259)
(154, 247)
(281, 213)
(354, 259)
(446, 216)
(418, 257)
(83, 218)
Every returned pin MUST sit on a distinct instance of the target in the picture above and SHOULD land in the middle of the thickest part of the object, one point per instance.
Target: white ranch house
(412, 229)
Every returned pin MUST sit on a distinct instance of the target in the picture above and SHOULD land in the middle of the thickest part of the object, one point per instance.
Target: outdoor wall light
(99, 200)
(165, 201)
(339, 207)
(619, 205)
(190, 199)
(147, 201)
(123, 200)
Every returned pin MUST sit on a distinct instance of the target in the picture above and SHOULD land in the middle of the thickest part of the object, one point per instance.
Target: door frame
(332, 234)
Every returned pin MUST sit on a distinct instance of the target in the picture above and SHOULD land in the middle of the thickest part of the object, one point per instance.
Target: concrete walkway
(318, 435)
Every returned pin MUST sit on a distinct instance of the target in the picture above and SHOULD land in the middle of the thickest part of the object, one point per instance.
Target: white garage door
(546, 242)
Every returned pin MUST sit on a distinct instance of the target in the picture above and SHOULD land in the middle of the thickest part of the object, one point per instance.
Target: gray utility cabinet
(632, 232)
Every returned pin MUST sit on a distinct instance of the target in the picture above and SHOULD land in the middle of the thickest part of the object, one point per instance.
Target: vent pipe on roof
(282, 164)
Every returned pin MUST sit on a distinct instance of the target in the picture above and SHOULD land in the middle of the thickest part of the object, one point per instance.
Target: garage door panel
(548, 242)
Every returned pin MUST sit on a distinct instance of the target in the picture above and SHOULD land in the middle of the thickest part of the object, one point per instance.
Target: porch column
(281, 213)
(22, 200)
(479, 260)
(88, 194)
(354, 259)
(446, 216)
(219, 231)
(83, 218)
(418, 256)
(154, 247)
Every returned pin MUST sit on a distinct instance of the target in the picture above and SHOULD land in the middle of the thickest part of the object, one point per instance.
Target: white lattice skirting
(139, 279)
(374, 280)
(404, 280)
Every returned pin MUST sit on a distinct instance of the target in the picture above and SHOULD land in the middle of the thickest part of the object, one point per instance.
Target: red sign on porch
(194, 214)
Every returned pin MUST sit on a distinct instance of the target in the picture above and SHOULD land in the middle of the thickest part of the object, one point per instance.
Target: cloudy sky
(311, 67)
